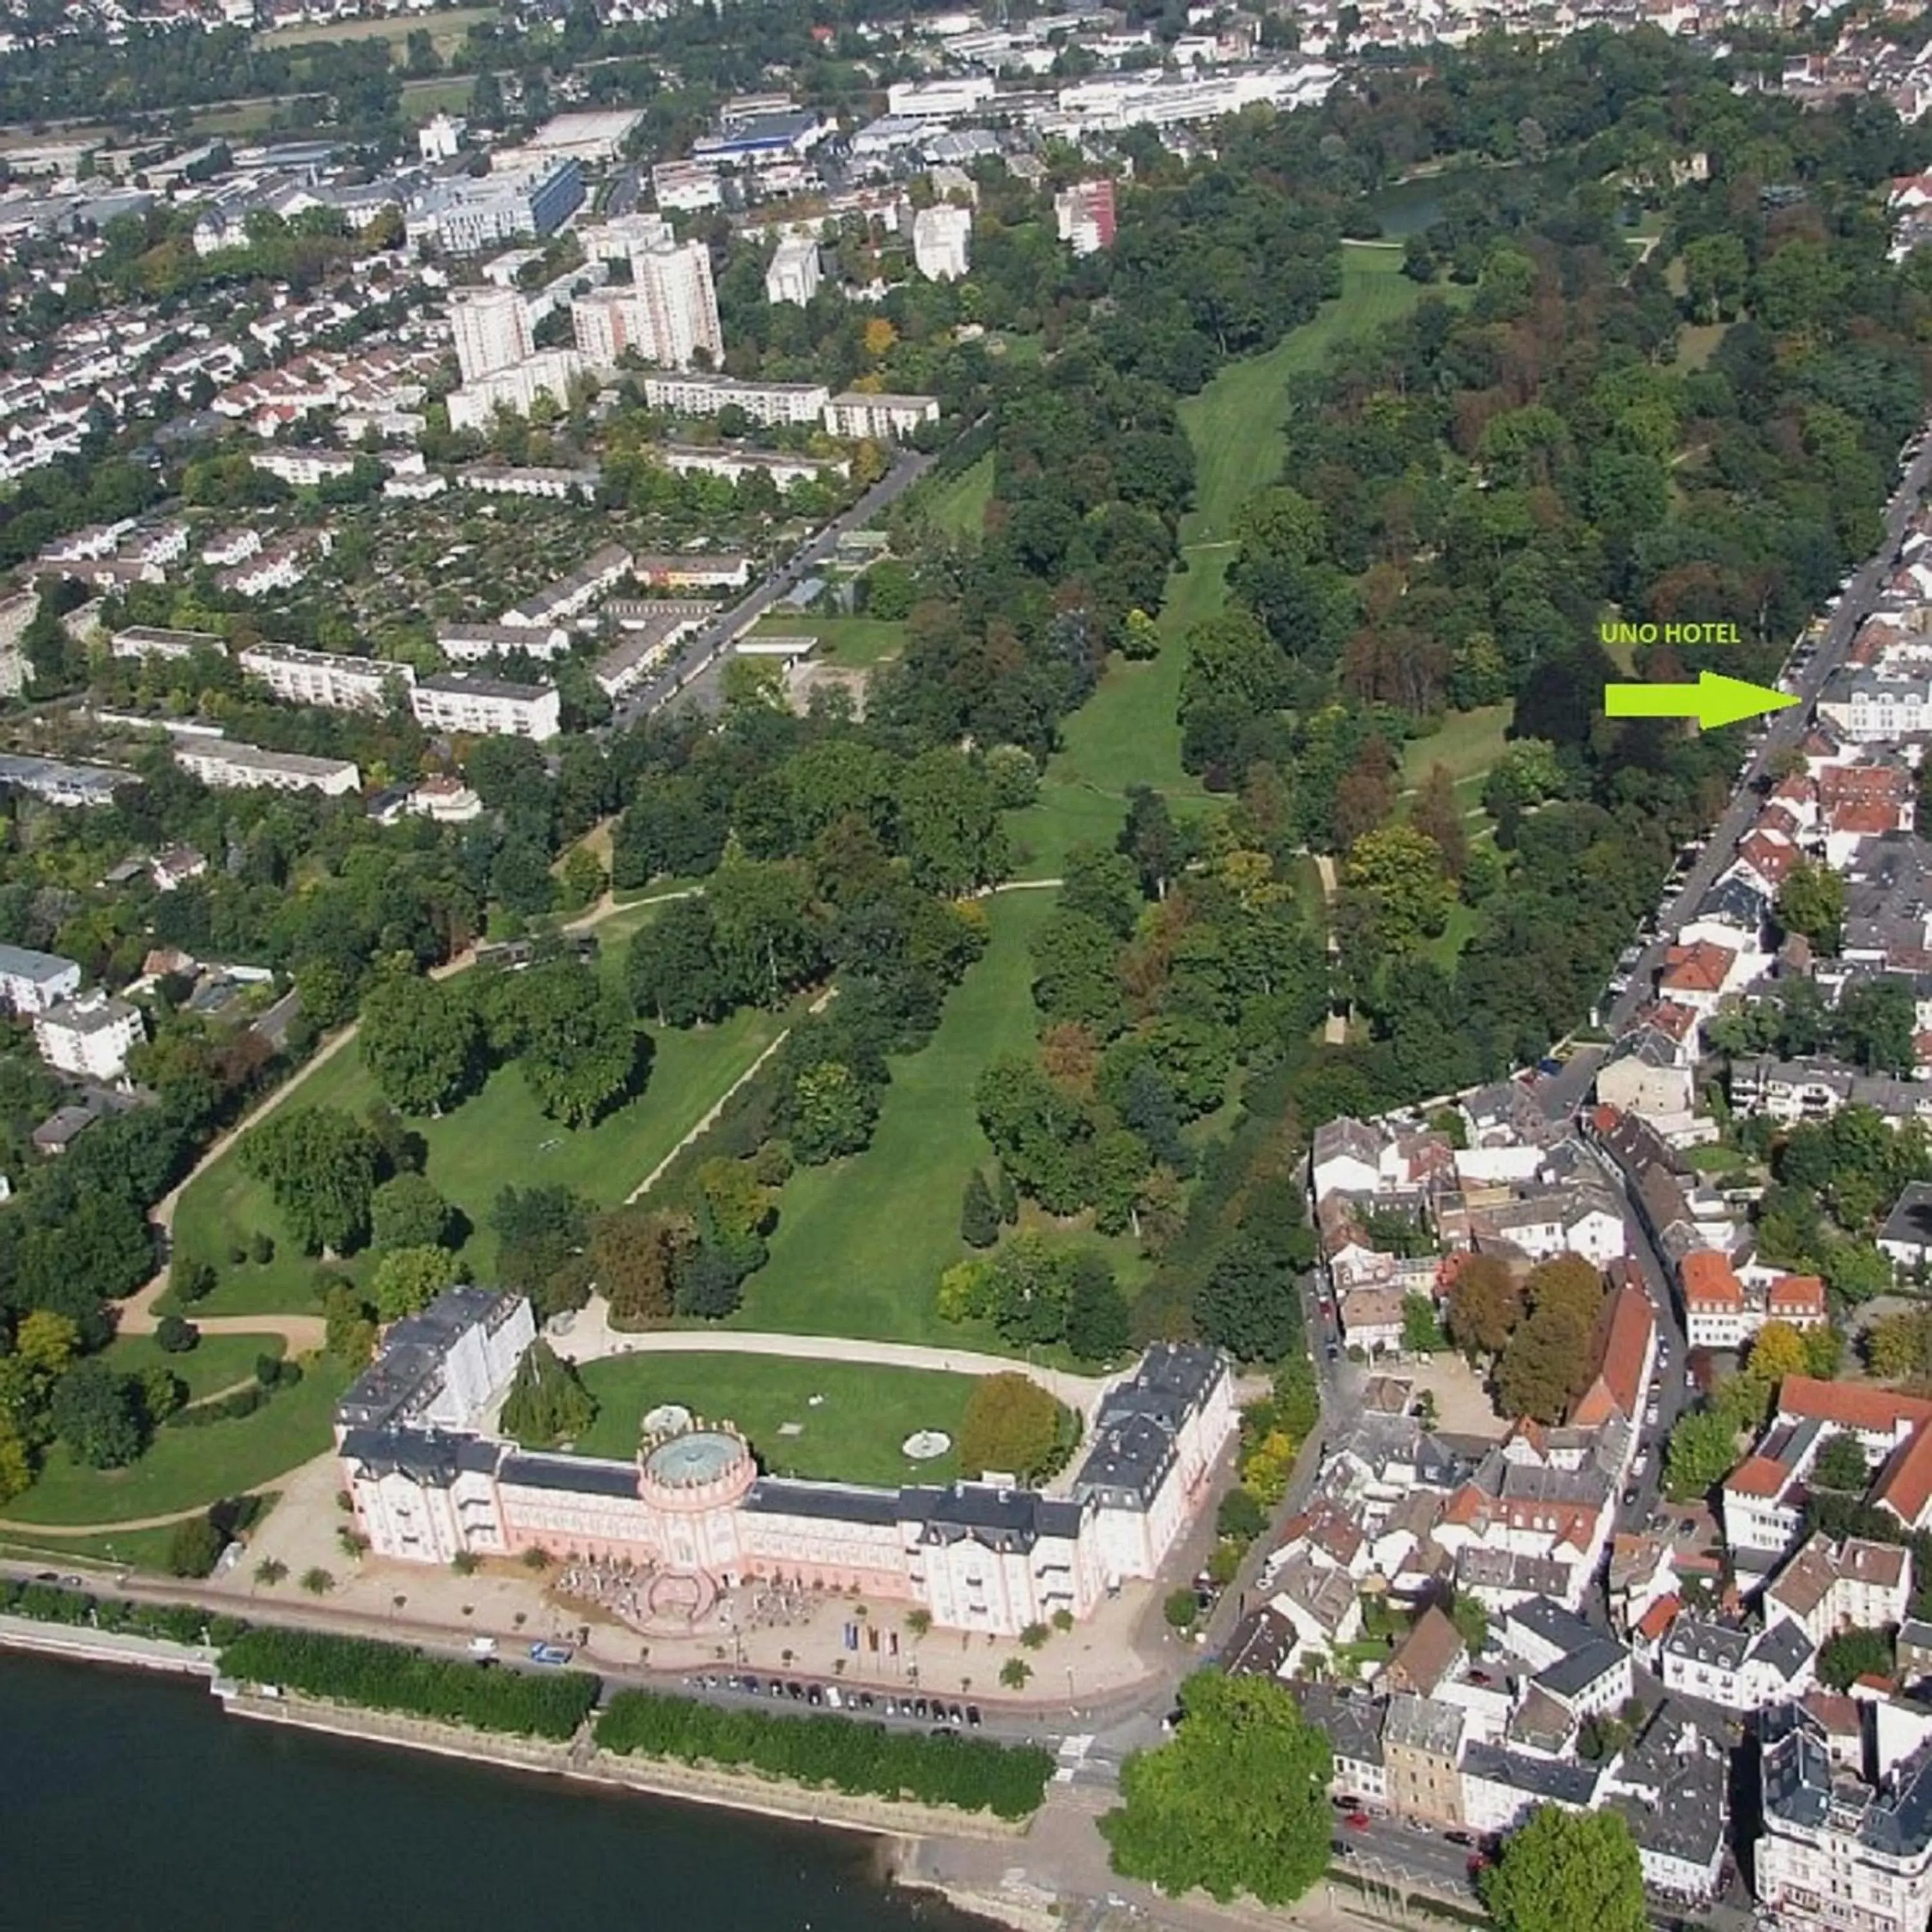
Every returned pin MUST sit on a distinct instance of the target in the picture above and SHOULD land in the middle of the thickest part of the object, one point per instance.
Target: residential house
(1432, 1652)
(1829, 1587)
(31, 982)
(1422, 1744)
(1626, 1351)
(1741, 1669)
(1906, 1235)
(1353, 1725)
(90, 1035)
(1501, 1788)
(1672, 1787)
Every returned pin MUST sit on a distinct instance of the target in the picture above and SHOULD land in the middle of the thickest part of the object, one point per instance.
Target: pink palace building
(978, 1556)
(988, 1555)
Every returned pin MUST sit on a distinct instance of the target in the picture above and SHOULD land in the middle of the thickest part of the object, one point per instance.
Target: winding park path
(591, 1338)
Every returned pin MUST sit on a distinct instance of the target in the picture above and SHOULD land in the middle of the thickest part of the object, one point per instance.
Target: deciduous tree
(1011, 1424)
(1236, 1802)
(1566, 1869)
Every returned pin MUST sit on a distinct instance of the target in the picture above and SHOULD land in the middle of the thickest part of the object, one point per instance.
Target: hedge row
(177, 1623)
(865, 1759)
(390, 1677)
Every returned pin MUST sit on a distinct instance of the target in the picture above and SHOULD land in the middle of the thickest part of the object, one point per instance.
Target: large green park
(860, 1243)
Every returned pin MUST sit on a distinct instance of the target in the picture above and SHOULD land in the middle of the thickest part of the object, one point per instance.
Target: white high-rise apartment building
(492, 327)
(942, 242)
(793, 275)
(668, 314)
(675, 291)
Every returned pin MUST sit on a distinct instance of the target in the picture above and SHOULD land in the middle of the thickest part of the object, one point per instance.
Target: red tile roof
(1699, 968)
(1864, 818)
(1770, 858)
(1618, 1388)
(1668, 1017)
(1709, 1280)
(1851, 1405)
(1655, 1622)
(1904, 1485)
(1795, 1295)
(1757, 1476)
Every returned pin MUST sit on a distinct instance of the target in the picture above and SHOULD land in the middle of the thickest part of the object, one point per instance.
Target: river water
(131, 1801)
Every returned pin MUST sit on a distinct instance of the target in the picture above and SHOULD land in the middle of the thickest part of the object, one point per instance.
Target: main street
(1564, 1092)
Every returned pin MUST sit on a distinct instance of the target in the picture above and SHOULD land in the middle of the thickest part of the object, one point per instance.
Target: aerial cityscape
(1001, 930)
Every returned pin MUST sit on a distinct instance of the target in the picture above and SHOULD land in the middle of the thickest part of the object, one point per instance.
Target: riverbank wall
(657, 1777)
(79, 1645)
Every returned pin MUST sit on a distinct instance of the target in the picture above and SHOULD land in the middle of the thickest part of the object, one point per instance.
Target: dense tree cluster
(1236, 1803)
(547, 1403)
(377, 1676)
(969, 1773)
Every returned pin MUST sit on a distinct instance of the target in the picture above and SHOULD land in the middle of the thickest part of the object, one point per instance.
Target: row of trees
(550, 1704)
(970, 1774)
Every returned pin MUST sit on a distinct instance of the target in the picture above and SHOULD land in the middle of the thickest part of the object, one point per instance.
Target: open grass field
(185, 1468)
(1697, 342)
(445, 29)
(958, 505)
(142, 1548)
(1469, 743)
(215, 1363)
(497, 1139)
(825, 1421)
(860, 1244)
(1126, 734)
(855, 643)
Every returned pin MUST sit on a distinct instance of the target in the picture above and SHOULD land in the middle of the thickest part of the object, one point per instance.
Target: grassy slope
(860, 1244)
(215, 1362)
(498, 1139)
(852, 1434)
(185, 1468)
(958, 506)
(1125, 734)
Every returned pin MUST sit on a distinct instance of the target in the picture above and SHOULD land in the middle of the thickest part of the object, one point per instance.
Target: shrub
(1034, 1637)
(195, 1547)
(1180, 1608)
(174, 1336)
(261, 1250)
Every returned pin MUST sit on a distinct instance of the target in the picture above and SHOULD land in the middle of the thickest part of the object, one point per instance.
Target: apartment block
(467, 701)
(333, 681)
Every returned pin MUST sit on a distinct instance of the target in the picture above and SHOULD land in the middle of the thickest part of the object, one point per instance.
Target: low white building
(31, 982)
(942, 242)
(331, 680)
(467, 701)
(1741, 1669)
(149, 640)
(793, 275)
(690, 393)
(90, 1035)
(224, 764)
(857, 413)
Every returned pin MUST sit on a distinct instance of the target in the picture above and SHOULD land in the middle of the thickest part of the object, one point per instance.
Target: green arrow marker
(1713, 700)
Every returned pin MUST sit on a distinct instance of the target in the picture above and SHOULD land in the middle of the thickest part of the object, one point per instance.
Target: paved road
(1785, 728)
(704, 650)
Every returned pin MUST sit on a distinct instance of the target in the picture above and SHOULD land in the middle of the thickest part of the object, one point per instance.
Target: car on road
(1629, 1498)
(1356, 1821)
(1334, 1353)
(552, 1653)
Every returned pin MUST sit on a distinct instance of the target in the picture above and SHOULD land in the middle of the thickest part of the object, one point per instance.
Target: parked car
(1356, 1821)
(556, 1653)
(972, 1714)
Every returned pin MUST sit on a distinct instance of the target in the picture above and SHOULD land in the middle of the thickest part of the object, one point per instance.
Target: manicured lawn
(1469, 743)
(446, 30)
(860, 1244)
(857, 643)
(497, 1139)
(958, 505)
(141, 1549)
(1126, 734)
(215, 1362)
(185, 1468)
(849, 1418)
